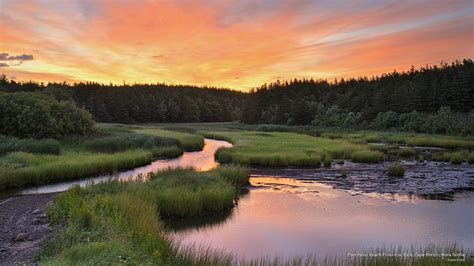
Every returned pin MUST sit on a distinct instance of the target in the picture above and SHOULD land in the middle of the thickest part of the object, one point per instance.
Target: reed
(367, 156)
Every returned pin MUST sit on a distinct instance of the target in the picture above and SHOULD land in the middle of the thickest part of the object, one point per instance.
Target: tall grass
(43, 169)
(123, 142)
(280, 149)
(367, 156)
(44, 146)
(118, 222)
(396, 169)
(187, 141)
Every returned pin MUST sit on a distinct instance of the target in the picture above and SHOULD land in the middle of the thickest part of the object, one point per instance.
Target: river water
(294, 212)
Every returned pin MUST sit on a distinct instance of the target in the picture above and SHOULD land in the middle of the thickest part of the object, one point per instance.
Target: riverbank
(23, 226)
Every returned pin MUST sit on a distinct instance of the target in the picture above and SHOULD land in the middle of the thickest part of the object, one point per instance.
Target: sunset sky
(235, 44)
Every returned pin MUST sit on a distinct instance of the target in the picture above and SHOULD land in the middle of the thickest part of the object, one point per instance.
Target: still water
(287, 217)
(200, 160)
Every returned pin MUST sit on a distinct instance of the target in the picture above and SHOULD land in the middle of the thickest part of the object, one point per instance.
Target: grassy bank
(122, 222)
(28, 162)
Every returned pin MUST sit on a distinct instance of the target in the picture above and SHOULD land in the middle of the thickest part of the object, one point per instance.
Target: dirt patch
(23, 226)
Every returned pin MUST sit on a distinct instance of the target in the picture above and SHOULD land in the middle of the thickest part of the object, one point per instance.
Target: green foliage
(396, 169)
(434, 100)
(34, 115)
(367, 156)
(45, 146)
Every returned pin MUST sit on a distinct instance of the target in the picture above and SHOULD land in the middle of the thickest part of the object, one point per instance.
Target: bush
(396, 170)
(470, 158)
(35, 115)
(367, 156)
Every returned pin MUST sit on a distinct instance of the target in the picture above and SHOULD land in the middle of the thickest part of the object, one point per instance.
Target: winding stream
(291, 212)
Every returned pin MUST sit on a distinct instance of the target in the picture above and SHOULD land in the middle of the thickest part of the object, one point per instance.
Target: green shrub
(396, 169)
(367, 156)
(35, 115)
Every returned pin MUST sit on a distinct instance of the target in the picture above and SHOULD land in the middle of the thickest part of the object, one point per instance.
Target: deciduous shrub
(35, 115)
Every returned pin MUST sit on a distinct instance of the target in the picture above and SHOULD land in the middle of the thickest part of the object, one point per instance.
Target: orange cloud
(230, 43)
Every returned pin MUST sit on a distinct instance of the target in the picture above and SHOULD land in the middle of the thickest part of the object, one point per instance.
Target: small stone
(340, 162)
(20, 237)
(36, 211)
(38, 221)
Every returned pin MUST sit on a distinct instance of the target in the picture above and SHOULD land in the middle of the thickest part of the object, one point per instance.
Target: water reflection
(288, 217)
(200, 160)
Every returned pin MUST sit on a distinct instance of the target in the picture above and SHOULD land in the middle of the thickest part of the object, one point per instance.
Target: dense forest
(142, 103)
(435, 99)
(432, 99)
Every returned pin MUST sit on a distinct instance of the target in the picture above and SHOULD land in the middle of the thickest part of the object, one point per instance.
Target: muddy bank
(429, 180)
(23, 226)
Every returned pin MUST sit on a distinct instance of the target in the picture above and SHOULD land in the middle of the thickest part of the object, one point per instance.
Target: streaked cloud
(212, 42)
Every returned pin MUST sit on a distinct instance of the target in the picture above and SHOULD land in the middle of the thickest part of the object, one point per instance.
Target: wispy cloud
(213, 42)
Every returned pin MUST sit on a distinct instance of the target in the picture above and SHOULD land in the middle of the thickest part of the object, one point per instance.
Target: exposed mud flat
(422, 179)
(23, 226)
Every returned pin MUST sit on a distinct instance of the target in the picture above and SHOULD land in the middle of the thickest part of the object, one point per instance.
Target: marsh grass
(281, 149)
(28, 162)
(396, 169)
(407, 152)
(367, 156)
(187, 141)
(40, 169)
(456, 158)
(167, 152)
(128, 141)
(470, 158)
(43, 146)
(119, 222)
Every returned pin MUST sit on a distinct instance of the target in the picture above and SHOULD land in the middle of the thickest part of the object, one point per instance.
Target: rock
(36, 211)
(20, 237)
(38, 221)
(340, 162)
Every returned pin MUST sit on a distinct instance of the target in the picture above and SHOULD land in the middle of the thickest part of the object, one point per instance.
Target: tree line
(142, 103)
(410, 98)
(414, 100)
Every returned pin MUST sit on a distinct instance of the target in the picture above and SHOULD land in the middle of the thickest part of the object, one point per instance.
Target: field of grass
(28, 162)
(363, 136)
